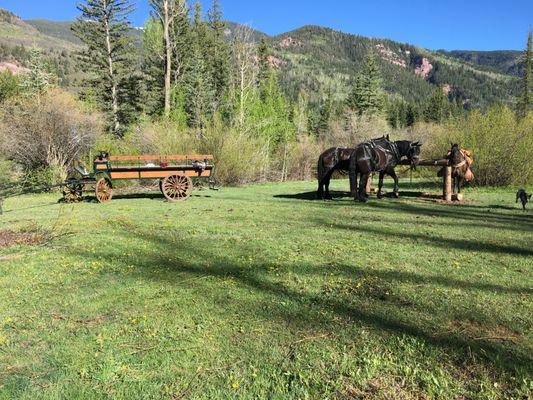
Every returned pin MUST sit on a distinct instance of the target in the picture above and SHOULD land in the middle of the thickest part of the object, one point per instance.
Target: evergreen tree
(104, 28)
(367, 95)
(199, 91)
(153, 65)
(301, 114)
(219, 54)
(263, 54)
(273, 115)
(326, 109)
(438, 107)
(38, 79)
(412, 115)
(525, 101)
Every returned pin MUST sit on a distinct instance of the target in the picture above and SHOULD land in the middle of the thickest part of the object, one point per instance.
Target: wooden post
(447, 184)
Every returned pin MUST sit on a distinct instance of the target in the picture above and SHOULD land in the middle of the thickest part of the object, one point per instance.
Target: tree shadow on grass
(466, 243)
(336, 194)
(311, 310)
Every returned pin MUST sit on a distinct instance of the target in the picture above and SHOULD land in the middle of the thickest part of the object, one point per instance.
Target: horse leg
(392, 173)
(454, 185)
(380, 186)
(320, 191)
(460, 181)
(361, 195)
(353, 183)
(327, 180)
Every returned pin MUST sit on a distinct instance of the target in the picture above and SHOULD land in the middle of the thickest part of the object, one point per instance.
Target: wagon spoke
(176, 187)
(104, 190)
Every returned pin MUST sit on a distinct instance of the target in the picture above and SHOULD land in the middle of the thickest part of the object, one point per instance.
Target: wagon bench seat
(146, 158)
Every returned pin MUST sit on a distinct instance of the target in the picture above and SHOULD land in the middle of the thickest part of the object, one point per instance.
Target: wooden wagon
(177, 174)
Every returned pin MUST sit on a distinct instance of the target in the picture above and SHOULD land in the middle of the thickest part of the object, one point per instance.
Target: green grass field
(261, 292)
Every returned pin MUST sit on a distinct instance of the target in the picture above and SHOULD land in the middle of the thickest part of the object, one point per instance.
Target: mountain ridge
(322, 59)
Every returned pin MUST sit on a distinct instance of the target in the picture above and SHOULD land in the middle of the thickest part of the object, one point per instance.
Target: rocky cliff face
(291, 42)
(424, 69)
(390, 56)
(15, 69)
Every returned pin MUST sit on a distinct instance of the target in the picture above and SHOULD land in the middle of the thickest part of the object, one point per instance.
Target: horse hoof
(379, 196)
(362, 199)
(396, 195)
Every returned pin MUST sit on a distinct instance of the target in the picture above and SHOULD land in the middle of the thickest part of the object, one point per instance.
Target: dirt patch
(477, 331)
(379, 388)
(10, 238)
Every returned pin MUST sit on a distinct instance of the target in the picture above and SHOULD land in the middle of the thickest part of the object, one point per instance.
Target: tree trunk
(114, 93)
(447, 184)
(168, 48)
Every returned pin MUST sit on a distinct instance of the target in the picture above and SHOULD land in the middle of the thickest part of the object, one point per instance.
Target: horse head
(455, 156)
(413, 154)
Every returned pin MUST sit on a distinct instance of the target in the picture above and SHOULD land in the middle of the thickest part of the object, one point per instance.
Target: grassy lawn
(261, 292)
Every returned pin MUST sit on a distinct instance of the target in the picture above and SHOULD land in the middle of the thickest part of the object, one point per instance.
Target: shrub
(48, 133)
(353, 129)
(302, 157)
(239, 158)
(8, 172)
(9, 86)
(501, 145)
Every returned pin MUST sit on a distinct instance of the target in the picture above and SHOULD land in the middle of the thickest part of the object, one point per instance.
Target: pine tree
(412, 115)
(525, 102)
(104, 28)
(199, 91)
(219, 55)
(153, 65)
(326, 109)
(367, 95)
(38, 79)
(263, 55)
(438, 107)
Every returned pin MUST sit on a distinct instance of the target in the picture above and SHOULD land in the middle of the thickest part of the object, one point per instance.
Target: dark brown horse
(380, 155)
(333, 159)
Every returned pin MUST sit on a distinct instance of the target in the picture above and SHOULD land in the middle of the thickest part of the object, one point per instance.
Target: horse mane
(403, 147)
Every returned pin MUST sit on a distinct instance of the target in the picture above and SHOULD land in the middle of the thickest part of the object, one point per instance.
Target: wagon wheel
(104, 190)
(73, 190)
(73, 193)
(177, 187)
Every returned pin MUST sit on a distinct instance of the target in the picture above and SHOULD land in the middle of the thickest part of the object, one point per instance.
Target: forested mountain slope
(324, 60)
(503, 61)
(320, 60)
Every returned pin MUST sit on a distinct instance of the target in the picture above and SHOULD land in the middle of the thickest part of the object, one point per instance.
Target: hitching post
(447, 186)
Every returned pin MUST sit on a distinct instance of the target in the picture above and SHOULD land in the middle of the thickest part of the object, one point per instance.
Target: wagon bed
(177, 174)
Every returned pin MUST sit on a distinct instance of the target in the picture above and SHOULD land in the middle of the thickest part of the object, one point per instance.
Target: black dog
(523, 197)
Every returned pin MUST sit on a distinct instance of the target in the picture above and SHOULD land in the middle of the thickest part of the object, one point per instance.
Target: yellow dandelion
(235, 385)
(254, 375)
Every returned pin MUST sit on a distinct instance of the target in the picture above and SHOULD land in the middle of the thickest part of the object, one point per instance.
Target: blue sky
(444, 24)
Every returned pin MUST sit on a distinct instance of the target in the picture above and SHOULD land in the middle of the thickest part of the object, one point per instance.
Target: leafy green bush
(501, 145)
(45, 176)
(9, 86)
(8, 172)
